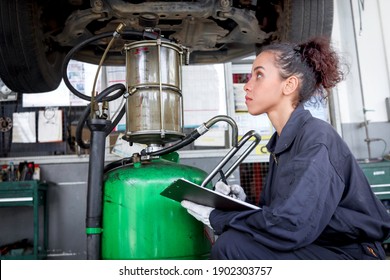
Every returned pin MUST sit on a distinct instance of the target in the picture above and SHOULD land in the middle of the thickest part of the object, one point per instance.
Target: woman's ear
(290, 85)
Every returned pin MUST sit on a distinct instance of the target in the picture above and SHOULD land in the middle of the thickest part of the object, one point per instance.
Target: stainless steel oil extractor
(127, 218)
(138, 223)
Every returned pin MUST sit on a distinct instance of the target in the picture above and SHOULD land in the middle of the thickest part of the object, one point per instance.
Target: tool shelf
(378, 175)
(31, 194)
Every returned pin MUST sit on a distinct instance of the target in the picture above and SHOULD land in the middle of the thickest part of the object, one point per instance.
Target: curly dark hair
(314, 62)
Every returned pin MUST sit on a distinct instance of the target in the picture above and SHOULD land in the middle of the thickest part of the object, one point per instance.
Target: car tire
(27, 62)
(303, 19)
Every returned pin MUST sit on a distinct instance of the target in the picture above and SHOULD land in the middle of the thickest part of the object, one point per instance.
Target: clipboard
(183, 189)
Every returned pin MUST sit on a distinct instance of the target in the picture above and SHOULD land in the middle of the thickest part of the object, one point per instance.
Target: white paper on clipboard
(23, 128)
(50, 126)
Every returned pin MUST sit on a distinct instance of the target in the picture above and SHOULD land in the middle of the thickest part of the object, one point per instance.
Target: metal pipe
(95, 187)
(365, 121)
(248, 135)
(231, 153)
(196, 134)
(160, 98)
(230, 121)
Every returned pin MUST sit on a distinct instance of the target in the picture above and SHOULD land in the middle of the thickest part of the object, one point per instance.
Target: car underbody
(37, 34)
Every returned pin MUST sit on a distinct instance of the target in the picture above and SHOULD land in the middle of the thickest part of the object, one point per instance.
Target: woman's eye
(259, 75)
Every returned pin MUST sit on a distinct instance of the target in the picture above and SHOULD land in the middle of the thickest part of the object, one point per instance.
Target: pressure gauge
(5, 124)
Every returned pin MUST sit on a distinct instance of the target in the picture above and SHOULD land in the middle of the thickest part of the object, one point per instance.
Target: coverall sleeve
(304, 198)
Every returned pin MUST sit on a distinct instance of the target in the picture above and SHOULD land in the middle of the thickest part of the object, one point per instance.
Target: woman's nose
(247, 86)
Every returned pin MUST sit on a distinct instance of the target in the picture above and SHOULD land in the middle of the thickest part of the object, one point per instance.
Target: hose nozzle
(119, 29)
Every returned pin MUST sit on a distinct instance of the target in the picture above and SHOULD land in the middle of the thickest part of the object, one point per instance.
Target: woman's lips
(247, 99)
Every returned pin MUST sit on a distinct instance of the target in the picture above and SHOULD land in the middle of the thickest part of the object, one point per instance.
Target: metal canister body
(139, 223)
(154, 108)
(144, 116)
(153, 62)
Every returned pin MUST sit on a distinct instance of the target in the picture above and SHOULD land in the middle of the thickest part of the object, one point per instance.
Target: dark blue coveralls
(316, 204)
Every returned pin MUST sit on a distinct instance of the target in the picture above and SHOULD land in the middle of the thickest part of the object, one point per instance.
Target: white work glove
(234, 191)
(199, 212)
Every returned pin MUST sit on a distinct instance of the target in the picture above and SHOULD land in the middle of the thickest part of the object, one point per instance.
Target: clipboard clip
(230, 154)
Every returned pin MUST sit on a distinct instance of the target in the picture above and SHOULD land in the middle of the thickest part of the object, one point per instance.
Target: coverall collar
(298, 118)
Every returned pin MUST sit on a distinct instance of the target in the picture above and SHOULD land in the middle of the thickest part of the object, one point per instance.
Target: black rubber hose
(118, 163)
(117, 119)
(70, 54)
(95, 188)
(80, 125)
(195, 134)
(103, 96)
(187, 140)
(68, 57)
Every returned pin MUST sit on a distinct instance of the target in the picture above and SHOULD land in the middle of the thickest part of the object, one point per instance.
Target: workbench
(378, 175)
(31, 194)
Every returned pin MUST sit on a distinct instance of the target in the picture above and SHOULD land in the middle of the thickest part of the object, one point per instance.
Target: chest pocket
(282, 180)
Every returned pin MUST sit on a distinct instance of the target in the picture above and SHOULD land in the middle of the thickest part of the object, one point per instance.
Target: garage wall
(362, 35)
(384, 8)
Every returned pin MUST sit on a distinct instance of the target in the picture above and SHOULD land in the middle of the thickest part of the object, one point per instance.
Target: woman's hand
(235, 191)
(199, 212)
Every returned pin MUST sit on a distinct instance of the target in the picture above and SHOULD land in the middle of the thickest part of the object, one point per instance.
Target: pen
(223, 177)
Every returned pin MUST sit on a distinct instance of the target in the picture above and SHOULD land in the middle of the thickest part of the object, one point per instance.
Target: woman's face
(264, 89)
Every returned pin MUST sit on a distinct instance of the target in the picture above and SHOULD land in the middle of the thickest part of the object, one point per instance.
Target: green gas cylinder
(139, 223)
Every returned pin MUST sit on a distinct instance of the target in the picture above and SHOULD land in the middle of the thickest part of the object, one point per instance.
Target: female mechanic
(317, 202)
